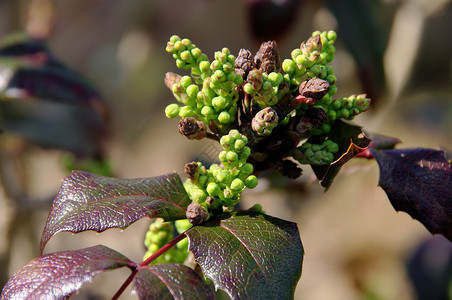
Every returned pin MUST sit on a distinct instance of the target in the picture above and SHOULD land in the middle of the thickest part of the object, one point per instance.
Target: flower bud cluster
(348, 108)
(265, 89)
(188, 56)
(317, 155)
(212, 97)
(311, 59)
(221, 185)
(161, 233)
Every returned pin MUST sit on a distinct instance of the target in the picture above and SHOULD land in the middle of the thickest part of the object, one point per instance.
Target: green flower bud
(331, 35)
(235, 134)
(248, 88)
(186, 112)
(301, 60)
(172, 110)
(332, 90)
(247, 168)
(219, 103)
(251, 182)
(228, 67)
(332, 147)
(213, 189)
(232, 156)
(237, 185)
(245, 153)
(196, 53)
(180, 64)
(186, 56)
(275, 78)
(331, 115)
(182, 225)
(295, 53)
(226, 141)
(174, 38)
(343, 113)
(192, 91)
(224, 176)
(222, 156)
(225, 118)
(326, 128)
(239, 145)
(204, 66)
(187, 44)
(185, 81)
(179, 46)
(215, 65)
(289, 66)
(208, 112)
(198, 195)
(220, 75)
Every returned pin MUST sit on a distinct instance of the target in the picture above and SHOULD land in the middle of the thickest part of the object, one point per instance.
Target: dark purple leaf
(365, 34)
(249, 255)
(379, 142)
(87, 201)
(351, 141)
(419, 182)
(170, 281)
(59, 275)
(77, 129)
(447, 154)
(33, 72)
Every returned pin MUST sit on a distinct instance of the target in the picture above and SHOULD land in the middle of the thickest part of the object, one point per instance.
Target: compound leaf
(168, 281)
(250, 255)
(351, 141)
(87, 201)
(419, 182)
(59, 275)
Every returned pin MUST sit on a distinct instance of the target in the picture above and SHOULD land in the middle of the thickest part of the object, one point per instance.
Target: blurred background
(357, 246)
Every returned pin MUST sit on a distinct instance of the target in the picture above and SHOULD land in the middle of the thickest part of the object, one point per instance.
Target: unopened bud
(264, 121)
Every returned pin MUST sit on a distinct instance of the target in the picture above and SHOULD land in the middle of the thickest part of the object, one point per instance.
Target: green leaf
(250, 255)
(87, 201)
(351, 141)
(167, 281)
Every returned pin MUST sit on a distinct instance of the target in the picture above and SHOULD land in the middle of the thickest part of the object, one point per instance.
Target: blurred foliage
(118, 45)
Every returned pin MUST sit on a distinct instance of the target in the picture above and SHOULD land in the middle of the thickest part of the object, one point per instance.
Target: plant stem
(162, 250)
(125, 284)
(146, 262)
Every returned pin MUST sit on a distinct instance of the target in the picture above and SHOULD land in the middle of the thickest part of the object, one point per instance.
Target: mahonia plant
(267, 114)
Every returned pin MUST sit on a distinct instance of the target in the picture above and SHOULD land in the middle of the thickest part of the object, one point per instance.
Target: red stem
(162, 250)
(150, 259)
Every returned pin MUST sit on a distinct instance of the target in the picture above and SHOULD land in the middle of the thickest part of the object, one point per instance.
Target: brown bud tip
(192, 129)
(171, 78)
(191, 169)
(314, 88)
(267, 58)
(313, 43)
(316, 115)
(196, 214)
(244, 63)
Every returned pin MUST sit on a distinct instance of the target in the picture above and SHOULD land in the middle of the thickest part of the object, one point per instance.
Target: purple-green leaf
(419, 181)
(87, 201)
(250, 255)
(168, 281)
(351, 140)
(59, 275)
